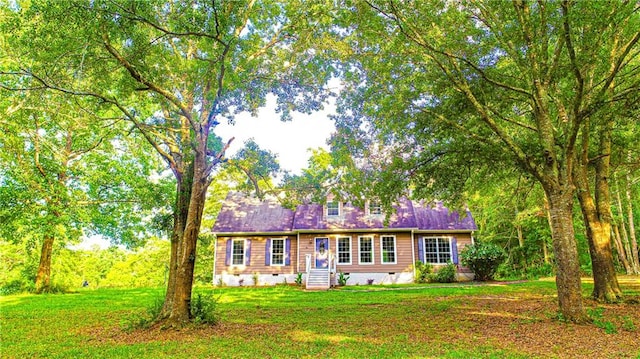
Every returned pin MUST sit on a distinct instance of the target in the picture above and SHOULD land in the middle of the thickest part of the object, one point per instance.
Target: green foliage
(342, 279)
(627, 324)
(483, 259)
(299, 278)
(202, 273)
(445, 274)
(597, 315)
(16, 286)
(204, 308)
(423, 272)
(144, 319)
(146, 267)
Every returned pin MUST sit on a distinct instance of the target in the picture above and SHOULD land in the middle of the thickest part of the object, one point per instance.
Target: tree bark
(190, 206)
(605, 282)
(520, 235)
(180, 213)
(632, 228)
(622, 255)
(568, 274)
(635, 267)
(597, 216)
(43, 278)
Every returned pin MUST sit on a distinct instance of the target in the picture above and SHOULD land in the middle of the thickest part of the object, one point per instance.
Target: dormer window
(333, 208)
(375, 208)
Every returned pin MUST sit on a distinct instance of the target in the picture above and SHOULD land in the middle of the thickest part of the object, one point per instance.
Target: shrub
(483, 259)
(17, 286)
(423, 271)
(145, 319)
(342, 279)
(299, 278)
(203, 309)
(446, 274)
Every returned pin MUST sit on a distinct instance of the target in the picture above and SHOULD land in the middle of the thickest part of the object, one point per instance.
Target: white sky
(290, 141)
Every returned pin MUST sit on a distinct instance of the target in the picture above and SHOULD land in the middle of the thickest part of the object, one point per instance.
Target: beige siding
(462, 239)
(404, 254)
(258, 254)
(404, 259)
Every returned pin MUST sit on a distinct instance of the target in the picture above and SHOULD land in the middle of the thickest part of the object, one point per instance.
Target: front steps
(318, 279)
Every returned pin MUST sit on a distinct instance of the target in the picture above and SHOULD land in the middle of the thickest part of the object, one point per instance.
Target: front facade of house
(261, 240)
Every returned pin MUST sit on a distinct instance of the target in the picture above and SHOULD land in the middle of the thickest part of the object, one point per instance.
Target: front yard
(516, 320)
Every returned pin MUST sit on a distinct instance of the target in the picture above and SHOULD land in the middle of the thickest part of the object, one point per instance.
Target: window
(365, 250)
(388, 249)
(344, 250)
(375, 208)
(437, 250)
(277, 252)
(333, 208)
(237, 252)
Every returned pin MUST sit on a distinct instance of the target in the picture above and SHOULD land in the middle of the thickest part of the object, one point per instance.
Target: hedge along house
(261, 240)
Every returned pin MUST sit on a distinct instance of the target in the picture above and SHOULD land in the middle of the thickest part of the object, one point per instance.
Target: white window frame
(376, 205)
(244, 252)
(338, 209)
(437, 239)
(371, 239)
(338, 250)
(284, 251)
(395, 249)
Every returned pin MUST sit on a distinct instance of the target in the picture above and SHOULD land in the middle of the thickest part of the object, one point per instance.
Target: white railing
(307, 268)
(331, 266)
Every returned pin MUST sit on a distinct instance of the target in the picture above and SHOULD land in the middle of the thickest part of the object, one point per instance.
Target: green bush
(16, 286)
(143, 320)
(446, 274)
(342, 279)
(203, 309)
(483, 259)
(423, 271)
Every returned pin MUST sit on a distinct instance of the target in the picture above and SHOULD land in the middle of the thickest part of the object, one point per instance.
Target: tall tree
(174, 70)
(520, 78)
(54, 159)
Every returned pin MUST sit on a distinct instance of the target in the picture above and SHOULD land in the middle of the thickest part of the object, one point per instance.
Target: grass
(453, 321)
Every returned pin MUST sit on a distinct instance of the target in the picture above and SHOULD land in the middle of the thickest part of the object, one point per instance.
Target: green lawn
(459, 321)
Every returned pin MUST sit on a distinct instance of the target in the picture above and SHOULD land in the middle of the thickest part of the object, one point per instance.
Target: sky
(290, 141)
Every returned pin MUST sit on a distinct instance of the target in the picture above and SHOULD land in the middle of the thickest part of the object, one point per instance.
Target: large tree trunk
(43, 278)
(605, 282)
(597, 218)
(190, 208)
(181, 211)
(566, 252)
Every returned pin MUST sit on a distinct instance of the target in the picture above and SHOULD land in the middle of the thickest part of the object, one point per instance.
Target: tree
(518, 80)
(257, 167)
(174, 70)
(55, 162)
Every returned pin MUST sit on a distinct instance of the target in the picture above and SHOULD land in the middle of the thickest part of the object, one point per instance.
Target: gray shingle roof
(242, 213)
(247, 214)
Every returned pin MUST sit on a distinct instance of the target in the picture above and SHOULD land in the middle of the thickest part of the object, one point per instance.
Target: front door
(322, 252)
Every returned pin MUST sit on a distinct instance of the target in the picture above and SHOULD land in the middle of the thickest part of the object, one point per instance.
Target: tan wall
(258, 253)
(404, 255)
(404, 259)
(462, 239)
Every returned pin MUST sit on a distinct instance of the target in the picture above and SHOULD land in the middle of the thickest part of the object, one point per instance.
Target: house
(260, 239)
